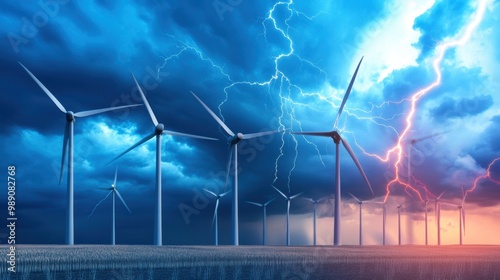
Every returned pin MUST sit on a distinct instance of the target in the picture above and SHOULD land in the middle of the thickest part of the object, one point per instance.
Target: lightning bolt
(98, 203)
(278, 80)
(487, 175)
(397, 150)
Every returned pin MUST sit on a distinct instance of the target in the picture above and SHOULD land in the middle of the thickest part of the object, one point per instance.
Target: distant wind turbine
(114, 191)
(461, 217)
(158, 132)
(384, 212)
(399, 222)
(360, 202)
(437, 213)
(315, 203)
(263, 217)
(233, 140)
(288, 199)
(215, 218)
(68, 147)
(426, 211)
(335, 135)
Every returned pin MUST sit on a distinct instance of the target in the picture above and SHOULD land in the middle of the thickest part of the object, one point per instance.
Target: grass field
(123, 262)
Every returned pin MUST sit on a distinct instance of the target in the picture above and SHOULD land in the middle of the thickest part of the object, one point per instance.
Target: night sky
(260, 65)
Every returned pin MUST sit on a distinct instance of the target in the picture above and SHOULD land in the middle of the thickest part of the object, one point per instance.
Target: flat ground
(253, 262)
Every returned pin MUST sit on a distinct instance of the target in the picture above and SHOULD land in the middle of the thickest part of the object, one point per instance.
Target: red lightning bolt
(487, 175)
(397, 150)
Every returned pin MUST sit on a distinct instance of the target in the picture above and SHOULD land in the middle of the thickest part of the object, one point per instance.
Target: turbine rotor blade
(359, 201)
(123, 201)
(105, 189)
(439, 197)
(64, 149)
(280, 192)
(215, 211)
(49, 94)
(322, 199)
(324, 134)
(98, 111)
(294, 196)
(346, 96)
(223, 194)
(463, 218)
(174, 133)
(353, 156)
(221, 123)
(116, 174)
(309, 199)
(255, 203)
(150, 111)
(228, 168)
(210, 192)
(133, 147)
(259, 134)
(269, 201)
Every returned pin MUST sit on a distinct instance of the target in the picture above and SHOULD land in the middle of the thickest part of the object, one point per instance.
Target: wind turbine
(114, 190)
(360, 202)
(335, 135)
(315, 203)
(215, 218)
(68, 147)
(263, 217)
(288, 199)
(384, 214)
(158, 132)
(437, 213)
(399, 222)
(461, 211)
(426, 211)
(233, 140)
(461, 216)
(411, 143)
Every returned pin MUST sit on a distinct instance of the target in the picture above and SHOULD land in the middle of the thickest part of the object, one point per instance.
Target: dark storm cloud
(85, 54)
(444, 19)
(451, 108)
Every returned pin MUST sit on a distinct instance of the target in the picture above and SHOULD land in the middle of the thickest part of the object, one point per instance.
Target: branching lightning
(398, 150)
(281, 84)
(487, 175)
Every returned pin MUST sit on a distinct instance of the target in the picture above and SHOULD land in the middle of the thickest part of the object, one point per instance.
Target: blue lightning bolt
(98, 203)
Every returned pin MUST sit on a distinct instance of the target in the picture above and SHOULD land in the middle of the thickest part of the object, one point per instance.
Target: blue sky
(260, 66)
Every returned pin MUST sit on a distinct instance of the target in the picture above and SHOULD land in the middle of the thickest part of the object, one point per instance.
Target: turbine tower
(158, 132)
(335, 135)
(315, 203)
(114, 190)
(68, 145)
(399, 222)
(288, 200)
(263, 217)
(461, 212)
(461, 216)
(233, 140)
(426, 232)
(360, 202)
(215, 218)
(437, 213)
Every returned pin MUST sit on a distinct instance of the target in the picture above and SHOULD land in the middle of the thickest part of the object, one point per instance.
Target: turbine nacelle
(159, 129)
(70, 116)
(233, 140)
(336, 137)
